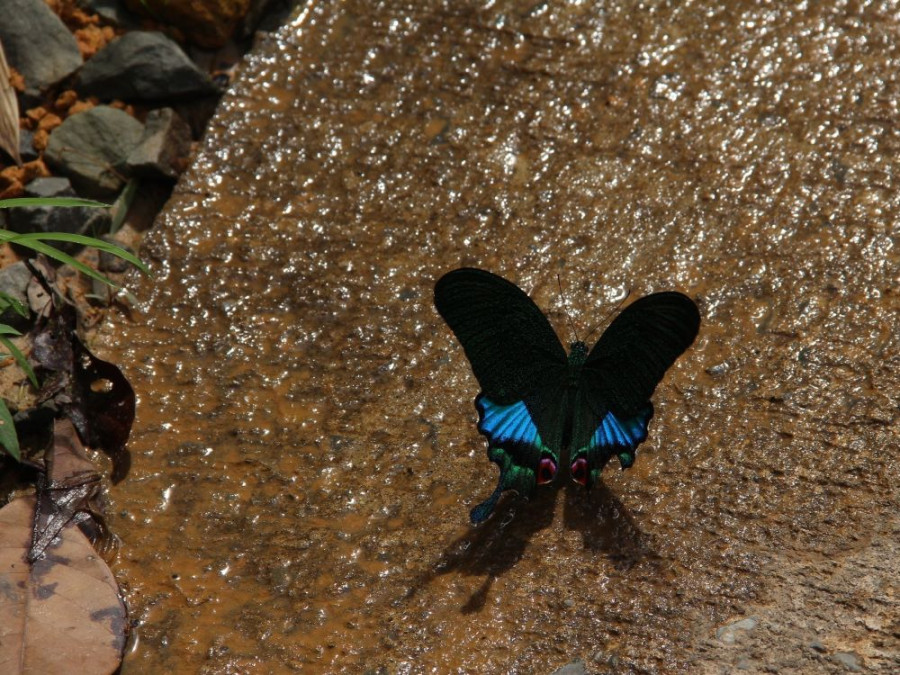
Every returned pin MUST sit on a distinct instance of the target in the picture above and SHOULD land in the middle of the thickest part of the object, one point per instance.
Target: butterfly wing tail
(483, 511)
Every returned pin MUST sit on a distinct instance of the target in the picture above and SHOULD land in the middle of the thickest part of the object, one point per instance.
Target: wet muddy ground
(305, 453)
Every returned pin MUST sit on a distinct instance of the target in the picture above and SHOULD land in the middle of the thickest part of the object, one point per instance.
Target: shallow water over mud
(305, 453)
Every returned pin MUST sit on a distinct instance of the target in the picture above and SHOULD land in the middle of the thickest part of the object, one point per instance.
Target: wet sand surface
(305, 453)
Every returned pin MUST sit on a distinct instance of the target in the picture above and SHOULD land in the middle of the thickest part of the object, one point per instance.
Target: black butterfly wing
(521, 367)
(613, 407)
(507, 339)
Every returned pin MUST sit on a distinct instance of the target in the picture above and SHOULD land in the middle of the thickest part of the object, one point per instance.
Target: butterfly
(540, 408)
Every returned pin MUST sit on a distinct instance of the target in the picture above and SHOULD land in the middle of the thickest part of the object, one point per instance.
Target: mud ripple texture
(305, 452)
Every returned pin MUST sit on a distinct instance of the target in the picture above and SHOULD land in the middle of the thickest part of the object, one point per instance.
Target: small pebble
(817, 646)
(849, 660)
(718, 369)
(727, 633)
(576, 667)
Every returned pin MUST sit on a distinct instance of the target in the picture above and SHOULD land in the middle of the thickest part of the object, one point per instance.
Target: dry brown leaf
(9, 112)
(62, 614)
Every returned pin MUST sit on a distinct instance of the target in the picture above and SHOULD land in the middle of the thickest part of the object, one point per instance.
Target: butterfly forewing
(636, 350)
(508, 340)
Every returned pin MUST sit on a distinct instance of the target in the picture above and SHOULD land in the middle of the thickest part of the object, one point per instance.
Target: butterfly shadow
(607, 527)
(494, 547)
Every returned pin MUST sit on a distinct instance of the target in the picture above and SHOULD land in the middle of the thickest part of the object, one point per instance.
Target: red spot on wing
(546, 471)
(579, 470)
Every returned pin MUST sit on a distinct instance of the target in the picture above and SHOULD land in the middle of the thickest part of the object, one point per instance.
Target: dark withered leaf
(102, 406)
(92, 392)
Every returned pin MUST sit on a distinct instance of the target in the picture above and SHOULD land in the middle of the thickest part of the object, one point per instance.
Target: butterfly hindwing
(515, 445)
(612, 436)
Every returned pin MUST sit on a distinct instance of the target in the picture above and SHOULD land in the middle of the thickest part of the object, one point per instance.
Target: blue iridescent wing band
(623, 435)
(506, 423)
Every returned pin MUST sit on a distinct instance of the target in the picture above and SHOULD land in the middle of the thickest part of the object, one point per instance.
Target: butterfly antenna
(605, 320)
(566, 309)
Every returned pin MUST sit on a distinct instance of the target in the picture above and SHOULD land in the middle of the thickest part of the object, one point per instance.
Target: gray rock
(727, 633)
(143, 66)
(576, 667)
(49, 187)
(89, 148)
(37, 44)
(72, 220)
(113, 12)
(849, 660)
(14, 283)
(164, 147)
(26, 146)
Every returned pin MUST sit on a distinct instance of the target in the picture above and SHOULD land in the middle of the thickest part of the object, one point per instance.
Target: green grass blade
(7, 301)
(19, 357)
(50, 201)
(66, 259)
(123, 204)
(33, 238)
(8, 437)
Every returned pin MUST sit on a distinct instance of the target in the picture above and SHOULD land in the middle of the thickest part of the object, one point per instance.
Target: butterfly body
(540, 408)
